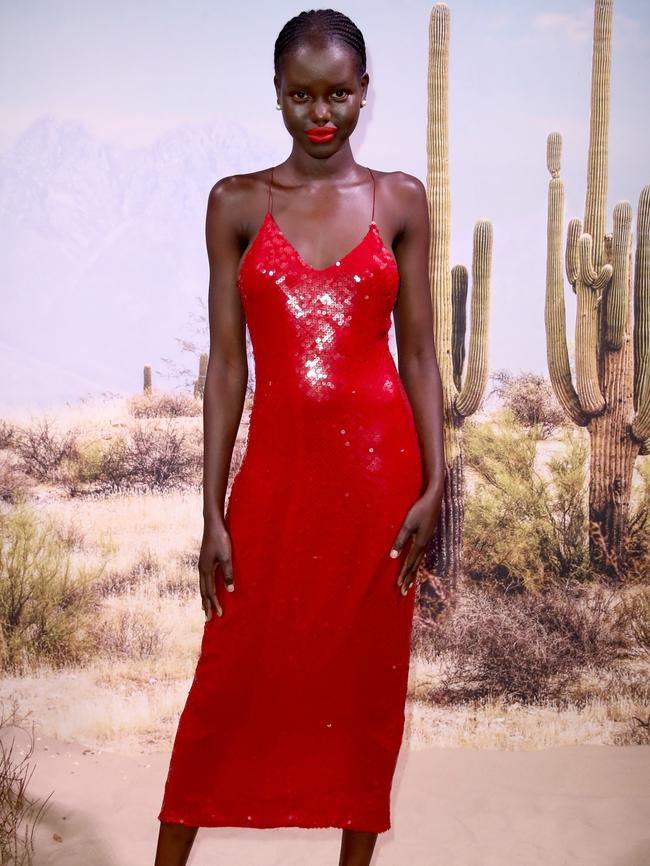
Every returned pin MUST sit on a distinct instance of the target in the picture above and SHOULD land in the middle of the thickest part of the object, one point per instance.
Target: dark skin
(321, 199)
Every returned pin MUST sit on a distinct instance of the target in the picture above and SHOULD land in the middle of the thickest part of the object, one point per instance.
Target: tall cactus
(146, 386)
(461, 397)
(199, 382)
(612, 374)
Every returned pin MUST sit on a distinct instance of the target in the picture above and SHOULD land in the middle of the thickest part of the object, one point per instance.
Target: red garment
(295, 715)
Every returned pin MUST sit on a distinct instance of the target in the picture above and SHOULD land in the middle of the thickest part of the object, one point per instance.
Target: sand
(564, 806)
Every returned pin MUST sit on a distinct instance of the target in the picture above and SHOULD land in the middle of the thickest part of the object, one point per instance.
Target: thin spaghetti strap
(372, 218)
(270, 198)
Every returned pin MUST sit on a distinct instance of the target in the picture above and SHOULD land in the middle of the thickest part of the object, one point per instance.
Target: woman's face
(319, 85)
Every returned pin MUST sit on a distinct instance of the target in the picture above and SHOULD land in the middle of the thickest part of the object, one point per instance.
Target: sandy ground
(563, 806)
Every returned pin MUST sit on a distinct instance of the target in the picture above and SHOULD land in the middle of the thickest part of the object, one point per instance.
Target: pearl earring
(363, 102)
(278, 106)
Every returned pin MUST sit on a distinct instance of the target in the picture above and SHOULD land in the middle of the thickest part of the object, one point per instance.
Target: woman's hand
(215, 552)
(420, 522)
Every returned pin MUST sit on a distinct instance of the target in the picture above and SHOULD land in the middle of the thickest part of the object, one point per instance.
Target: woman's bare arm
(418, 364)
(226, 378)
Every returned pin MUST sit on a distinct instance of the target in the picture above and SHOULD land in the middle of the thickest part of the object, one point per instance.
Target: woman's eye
(343, 93)
(300, 94)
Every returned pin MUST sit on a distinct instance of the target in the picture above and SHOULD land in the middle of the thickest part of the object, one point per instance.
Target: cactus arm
(469, 398)
(617, 297)
(572, 258)
(587, 384)
(554, 312)
(459, 321)
(641, 424)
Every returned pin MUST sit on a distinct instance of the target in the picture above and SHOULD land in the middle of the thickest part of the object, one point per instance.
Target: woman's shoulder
(405, 192)
(237, 200)
(399, 182)
(237, 189)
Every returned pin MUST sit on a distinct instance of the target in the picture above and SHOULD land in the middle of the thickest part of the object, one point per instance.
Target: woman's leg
(357, 847)
(174, 844)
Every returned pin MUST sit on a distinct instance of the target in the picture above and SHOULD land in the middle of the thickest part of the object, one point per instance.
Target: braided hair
(324, 24)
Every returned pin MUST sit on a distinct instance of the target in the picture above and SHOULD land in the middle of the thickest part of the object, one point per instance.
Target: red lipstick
(321, 134)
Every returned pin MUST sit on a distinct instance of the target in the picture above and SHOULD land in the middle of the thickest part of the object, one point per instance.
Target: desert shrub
(148, 457)
(42, 449)
(521, 529)
(163, 458)
(531, 400)
(634, 621)
(183, 582)
(141, 572)
(189, 559)
(45, 607)
(18, 814)
(87, 463)
(126, 633)
(179, 586)
(116, 466)
(14, 484)
(524, 647)
(8, 432)
(165, 405)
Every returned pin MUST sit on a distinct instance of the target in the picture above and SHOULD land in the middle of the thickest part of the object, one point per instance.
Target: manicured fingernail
(394, 553)
(231, 587)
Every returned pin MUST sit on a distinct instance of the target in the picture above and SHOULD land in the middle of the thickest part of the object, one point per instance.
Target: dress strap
(372, 218)
(270, 198)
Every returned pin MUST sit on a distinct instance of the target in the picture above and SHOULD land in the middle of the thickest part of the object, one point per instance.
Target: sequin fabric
(295, 714)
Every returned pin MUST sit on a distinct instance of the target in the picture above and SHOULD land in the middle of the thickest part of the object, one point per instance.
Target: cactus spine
(612, 374)
(461, 397)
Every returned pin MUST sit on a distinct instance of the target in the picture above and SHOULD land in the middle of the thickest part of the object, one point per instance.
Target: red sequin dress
(295, 715)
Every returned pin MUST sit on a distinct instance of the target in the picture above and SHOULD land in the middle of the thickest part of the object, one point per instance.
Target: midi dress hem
(324, 822)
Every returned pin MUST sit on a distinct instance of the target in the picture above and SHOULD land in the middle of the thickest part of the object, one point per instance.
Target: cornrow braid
(327, 24)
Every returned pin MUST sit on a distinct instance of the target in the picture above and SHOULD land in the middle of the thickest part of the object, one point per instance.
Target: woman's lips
(321, 134)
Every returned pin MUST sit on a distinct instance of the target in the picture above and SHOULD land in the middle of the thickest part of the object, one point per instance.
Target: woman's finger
(402, 537)
(208, 594)
(410, 567)
(228, 577)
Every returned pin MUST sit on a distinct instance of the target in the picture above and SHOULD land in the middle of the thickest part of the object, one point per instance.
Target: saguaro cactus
(612, 373)
(462, 396)
(146, 385)
(199, 382)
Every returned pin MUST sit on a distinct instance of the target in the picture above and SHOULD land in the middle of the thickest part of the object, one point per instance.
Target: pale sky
(132, 72)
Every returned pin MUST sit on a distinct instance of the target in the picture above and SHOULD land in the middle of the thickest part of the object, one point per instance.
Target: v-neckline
(305, 264)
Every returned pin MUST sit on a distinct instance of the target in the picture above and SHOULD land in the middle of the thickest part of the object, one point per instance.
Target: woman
(296, 712)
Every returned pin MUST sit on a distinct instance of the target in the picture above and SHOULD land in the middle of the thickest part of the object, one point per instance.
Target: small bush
(165, 405)
(142, 571)
(45, 608)
(634, 621)
(131, 634)
(521, 530)
(14, 484)
(524, 647)
(116, 466)
(532, 401)
(150, 458)
(8, 434)
(42, 449)
(163, 458)
(179, 586)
